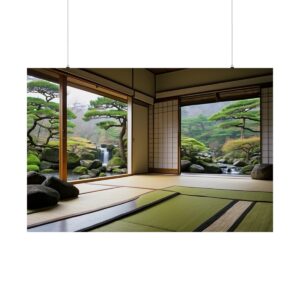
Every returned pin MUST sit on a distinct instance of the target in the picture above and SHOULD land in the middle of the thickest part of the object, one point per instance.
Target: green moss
(33, 159)
(48, 171)
(73, 158)
(118, 171)
(102, 174)
(80, 170)
(116, 161)
(87, 156)
(33, 168)
(247, 170)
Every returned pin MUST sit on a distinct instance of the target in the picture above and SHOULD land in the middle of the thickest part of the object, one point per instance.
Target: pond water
(72, 176)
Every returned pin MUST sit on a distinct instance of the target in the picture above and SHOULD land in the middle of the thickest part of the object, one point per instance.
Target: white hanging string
(231, 15)
(68, 34)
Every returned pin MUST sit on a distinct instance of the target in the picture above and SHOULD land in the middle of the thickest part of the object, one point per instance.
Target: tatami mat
(85, 203)
(156, 181)
(88, 188)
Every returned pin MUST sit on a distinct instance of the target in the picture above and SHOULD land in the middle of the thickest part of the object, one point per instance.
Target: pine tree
(112, 114)
(43, 112)
(242, 114)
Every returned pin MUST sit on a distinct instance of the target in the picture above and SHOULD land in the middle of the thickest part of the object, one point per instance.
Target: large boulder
(86, 163)
(35, 178)
(65, 189)
(50, 154)
(262, 172)
(185, 164)
(96, 163)
(211, 168)
(39, 196)
(196, 169)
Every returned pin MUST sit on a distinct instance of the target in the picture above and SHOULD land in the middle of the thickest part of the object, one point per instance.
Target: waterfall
(105, 156)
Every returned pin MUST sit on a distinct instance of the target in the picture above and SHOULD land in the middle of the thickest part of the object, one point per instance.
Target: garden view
(221, 138)
(96, 132)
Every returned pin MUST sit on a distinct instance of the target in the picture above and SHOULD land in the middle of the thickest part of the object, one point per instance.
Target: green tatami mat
(121, 226)
(151, 197)
(260, 218)
(228, 194)
(180, 213)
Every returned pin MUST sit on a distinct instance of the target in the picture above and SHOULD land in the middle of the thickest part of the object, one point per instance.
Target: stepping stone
(65, 189)
(35, 178)
(40, 196)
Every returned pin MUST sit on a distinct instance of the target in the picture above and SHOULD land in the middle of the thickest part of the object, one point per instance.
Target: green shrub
(80, 170)
(116, 161)
(102, 174)
(87, 156)
(247, 169)
(33, 168)
(33, 159)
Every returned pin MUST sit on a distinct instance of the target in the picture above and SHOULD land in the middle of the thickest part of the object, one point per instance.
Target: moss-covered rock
(80, 170)
(46, 171)
(211, 168)
(33, 159)
(116, 162)
(119, 171)
(48, 165)
(247, 169)
(87, 156)
(50, 154)
(73, 160)
(196, 168)
(33, 168)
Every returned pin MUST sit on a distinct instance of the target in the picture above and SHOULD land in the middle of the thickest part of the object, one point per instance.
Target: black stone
(185, 164)
(196, 169)
(39, 196)
(262, 172)
(65, 189)
(35, 178)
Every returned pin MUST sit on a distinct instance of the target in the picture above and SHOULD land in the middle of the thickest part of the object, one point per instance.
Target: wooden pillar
(63, 171)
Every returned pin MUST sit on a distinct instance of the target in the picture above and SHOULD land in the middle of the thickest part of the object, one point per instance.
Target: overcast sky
(74, 95)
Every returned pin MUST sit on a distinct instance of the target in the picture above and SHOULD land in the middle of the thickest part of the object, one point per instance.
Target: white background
(161, 33)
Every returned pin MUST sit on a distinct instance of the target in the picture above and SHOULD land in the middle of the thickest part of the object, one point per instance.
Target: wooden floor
(97, 195)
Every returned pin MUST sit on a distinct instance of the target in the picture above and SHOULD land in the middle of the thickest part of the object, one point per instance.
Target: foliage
(33, 168)
(80, 170)
(33, 159)
(116, 161)
(242, 114)
(191, 147)
(249, 146)
(112, 114)
(43, 113)
(247, 169)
